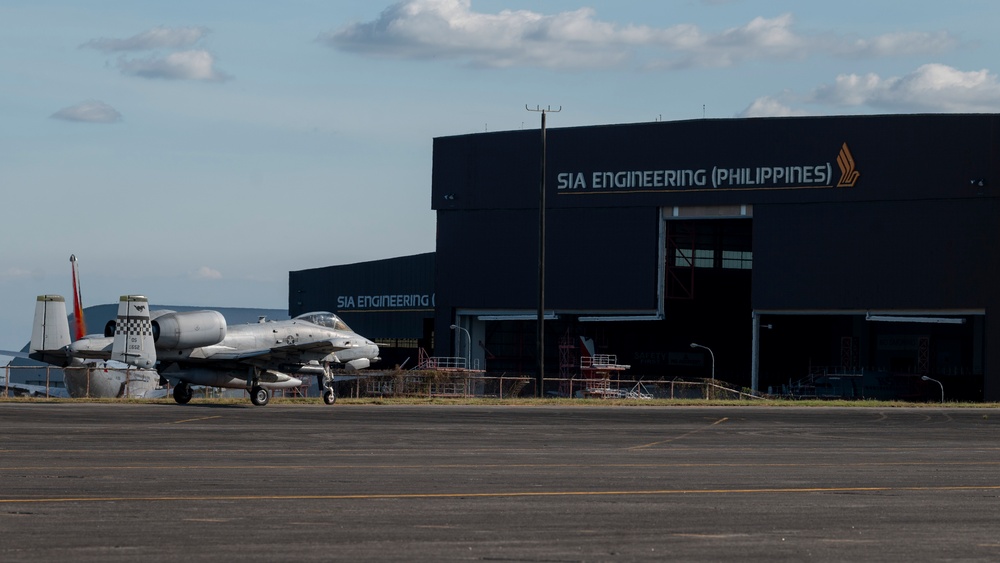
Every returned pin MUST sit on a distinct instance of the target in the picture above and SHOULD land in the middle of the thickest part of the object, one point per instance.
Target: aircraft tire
(182, 393)
(329, 397)
(259, 396)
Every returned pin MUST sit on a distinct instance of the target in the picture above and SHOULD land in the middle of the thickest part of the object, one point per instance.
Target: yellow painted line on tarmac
(514, 494)
(682, 436)
(194, 419)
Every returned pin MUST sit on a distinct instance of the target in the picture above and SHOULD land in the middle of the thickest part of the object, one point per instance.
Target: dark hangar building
(855, 254)
(836, 256)
(390, 301)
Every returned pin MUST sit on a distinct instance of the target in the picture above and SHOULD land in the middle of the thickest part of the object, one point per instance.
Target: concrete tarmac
(161, 482)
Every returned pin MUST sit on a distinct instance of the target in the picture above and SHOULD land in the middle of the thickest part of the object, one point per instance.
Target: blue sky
(196, 152)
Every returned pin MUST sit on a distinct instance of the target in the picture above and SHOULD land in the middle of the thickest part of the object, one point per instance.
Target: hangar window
(396, 342)
(737, 260)
(702, 258)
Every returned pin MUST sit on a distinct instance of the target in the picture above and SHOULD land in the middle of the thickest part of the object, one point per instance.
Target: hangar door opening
(708, 262)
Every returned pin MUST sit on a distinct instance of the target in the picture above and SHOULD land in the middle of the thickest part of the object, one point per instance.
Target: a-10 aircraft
(199, 348)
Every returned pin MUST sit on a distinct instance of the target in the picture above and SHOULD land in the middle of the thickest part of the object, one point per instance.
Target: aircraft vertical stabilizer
(79, 326)
(133, 342)
(50, 331)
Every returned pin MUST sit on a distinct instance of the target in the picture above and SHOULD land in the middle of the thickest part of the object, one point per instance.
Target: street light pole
(540, 380)
(925, 378)
(693, 345)
(468, 345)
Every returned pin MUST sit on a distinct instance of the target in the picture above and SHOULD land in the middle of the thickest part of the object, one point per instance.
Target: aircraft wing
(239, 354)
(13, 354)
(277, 352)
(54, 358)
(317, 346)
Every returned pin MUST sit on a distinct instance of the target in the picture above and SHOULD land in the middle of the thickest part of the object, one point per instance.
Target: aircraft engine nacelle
(360, 363)
(191, 329)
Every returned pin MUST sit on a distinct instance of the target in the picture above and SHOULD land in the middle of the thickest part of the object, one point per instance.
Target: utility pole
(540, 378)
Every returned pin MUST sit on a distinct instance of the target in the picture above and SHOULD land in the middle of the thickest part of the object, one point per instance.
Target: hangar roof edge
(867, 117)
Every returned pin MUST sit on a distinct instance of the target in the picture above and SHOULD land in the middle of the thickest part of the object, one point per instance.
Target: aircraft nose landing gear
(326, 384)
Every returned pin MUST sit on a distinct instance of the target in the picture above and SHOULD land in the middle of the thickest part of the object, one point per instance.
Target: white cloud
(172, 57)
(91, 111)
(931, 87)
(156, 38)
(577, 39)
(183, 65)
(901, 44)
(770, 107)
(15, 272)
(934, 88)
(448, 28)
(206, 273)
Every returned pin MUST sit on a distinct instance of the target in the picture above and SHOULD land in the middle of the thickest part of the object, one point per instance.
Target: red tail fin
(79, 327)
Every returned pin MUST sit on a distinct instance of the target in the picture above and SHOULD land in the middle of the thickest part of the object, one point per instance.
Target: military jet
(259, 357)
(199, 348)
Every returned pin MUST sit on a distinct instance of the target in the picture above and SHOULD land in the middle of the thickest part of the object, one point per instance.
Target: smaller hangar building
(857, 255)
(388, 301)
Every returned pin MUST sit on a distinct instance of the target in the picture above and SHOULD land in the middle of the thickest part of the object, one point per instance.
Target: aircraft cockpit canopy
(325, 319)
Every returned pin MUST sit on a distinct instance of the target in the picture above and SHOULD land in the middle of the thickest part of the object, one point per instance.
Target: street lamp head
(693, 345)
(453, 327)
(925, 378)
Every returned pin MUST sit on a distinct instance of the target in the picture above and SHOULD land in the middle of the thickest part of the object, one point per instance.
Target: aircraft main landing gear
(329, 397)
(182, 393)
(259, 396)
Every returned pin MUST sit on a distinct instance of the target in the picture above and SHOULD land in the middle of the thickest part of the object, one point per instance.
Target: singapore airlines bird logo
(848, 174)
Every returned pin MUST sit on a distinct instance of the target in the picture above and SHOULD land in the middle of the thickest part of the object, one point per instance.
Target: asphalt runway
(163, 482)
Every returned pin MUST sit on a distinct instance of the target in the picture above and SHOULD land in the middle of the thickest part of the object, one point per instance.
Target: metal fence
(82, 381)
(48, 382)
(416, 384)
(43, 381)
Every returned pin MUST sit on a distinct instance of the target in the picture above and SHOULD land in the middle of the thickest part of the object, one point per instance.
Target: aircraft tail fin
(79, 325)
(133, 344)
(50, 331)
